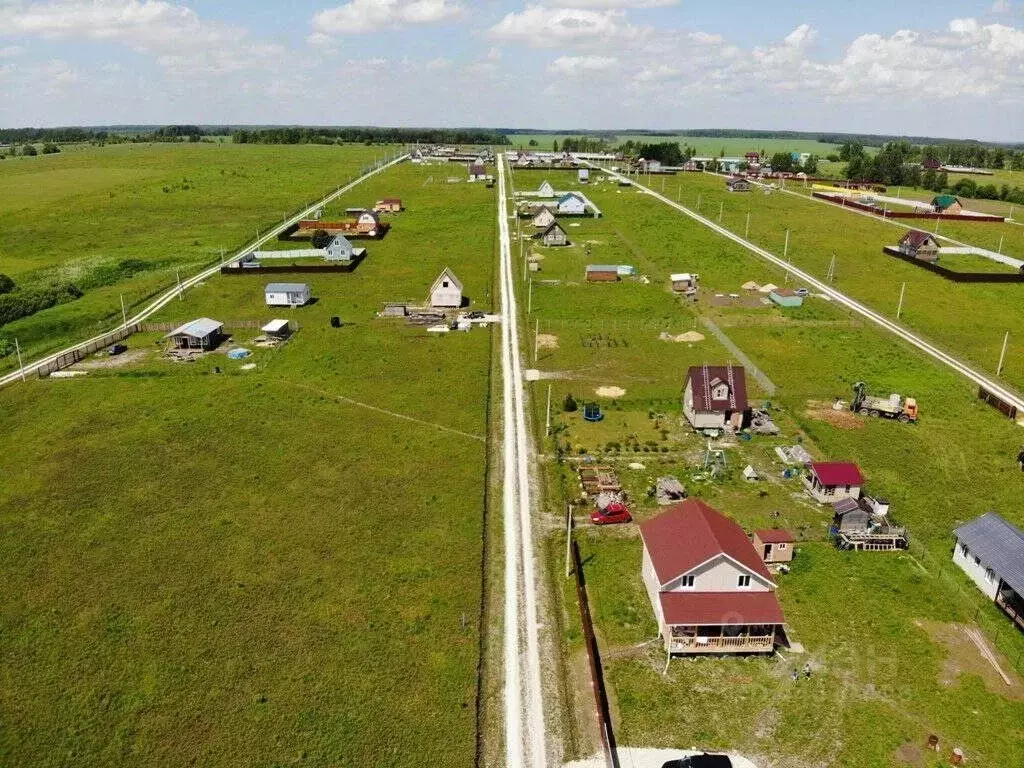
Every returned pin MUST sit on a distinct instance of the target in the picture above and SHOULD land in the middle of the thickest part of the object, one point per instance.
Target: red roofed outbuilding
(830, 481)
(709, 587)
(774, 544)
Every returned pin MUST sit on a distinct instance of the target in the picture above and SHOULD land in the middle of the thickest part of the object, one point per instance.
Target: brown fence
(604, 716)
(890, 214)
(1007, 409)
(70, 358)
(307, 269)
(953, 275)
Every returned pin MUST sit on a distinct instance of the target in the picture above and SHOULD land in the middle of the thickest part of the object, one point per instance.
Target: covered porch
(1012, 604)
(745, 638)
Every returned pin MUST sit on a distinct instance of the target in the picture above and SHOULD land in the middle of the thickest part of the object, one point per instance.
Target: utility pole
(547, 421)
(721, 210)
(529, 300)
(698, 202)
(746, 230)
(568, 540)
(679, 194)
(899, 309)
(21, 365)
(124, 313)
(1002, 355)
(536, 341)
(1000, 245)
(785, 249)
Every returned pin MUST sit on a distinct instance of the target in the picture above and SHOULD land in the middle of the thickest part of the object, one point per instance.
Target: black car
(705, 760)
(117, 349)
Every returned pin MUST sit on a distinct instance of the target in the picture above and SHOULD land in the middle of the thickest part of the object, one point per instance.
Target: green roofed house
(947, 204)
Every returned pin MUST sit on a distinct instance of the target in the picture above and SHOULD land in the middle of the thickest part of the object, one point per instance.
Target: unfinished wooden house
(864, 524)
(446, 292)
(544, 218)
(553, 235)
(775, 545)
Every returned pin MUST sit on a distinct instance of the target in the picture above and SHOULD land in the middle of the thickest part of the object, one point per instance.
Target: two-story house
(715, 397)
(709, 587)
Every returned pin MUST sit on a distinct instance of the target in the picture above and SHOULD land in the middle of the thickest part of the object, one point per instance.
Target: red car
(611, 515)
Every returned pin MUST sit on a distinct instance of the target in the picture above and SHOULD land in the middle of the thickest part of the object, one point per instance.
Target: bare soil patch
(689, 337)
(964, 657)
(547, 341)
(609, 391)
(103, 360)
(843, 419)
(911, 754)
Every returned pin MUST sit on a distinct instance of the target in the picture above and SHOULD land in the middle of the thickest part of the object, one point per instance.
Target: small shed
(850, 516)
(583, 175)
(775, 545)
(832, 481)
(278, 330)
(947, 204)
(388, 205)
(287, 294)
(602, 273)
(341, 249)
(203, 333)
(920, 245)
(786, 297)
(683, 281)
(446, 290)
(545, 189)
(544, 218)
(554, 235)
(737, 185)
(571, 204)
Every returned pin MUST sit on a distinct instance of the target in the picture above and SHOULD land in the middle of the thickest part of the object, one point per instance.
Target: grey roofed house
(286, 287)
(1000, 546)
(203, 333)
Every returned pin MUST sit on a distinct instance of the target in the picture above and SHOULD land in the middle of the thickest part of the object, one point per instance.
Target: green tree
(29, 150)
(533, 142)
(554, 145)
(321, 238)
(782, 161)
(570, 405)
(6, 284)
(811, 165)
(49, 148)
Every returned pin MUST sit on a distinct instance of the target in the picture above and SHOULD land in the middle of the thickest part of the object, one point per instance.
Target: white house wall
(976, 571)
(653, 588)
(720, 574)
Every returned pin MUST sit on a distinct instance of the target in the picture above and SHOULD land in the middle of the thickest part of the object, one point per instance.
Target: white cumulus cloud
(570, 66)
(540, 27)
(362, 16)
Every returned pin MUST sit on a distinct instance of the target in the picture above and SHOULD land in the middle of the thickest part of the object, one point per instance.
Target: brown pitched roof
(690, 533)
(916, 238)
(733, 375)
(775, 536)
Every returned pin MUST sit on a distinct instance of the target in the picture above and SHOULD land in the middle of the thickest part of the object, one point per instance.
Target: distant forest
(253, 135)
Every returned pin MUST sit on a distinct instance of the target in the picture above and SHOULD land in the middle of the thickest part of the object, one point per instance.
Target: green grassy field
(267, 566)
(872, 623)
(944, 312)
(80, 216)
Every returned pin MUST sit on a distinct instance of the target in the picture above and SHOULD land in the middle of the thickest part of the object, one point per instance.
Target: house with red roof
(709, 588)
(715, 397)
(920, 245)
(831, 481)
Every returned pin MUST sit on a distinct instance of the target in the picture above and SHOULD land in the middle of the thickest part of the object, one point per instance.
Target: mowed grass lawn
(75, 217)
(243, 568)
(880, 681)
(967, 320)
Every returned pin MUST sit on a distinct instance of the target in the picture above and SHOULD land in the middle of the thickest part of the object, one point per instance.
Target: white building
(446, 290)
(990, 550)
(571, 204)
(545, 189)
(287, 294)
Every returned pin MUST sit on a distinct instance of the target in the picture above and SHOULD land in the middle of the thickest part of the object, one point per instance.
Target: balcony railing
(731, 644)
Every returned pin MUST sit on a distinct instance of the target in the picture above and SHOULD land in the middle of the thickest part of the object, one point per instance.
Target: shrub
(50, 148)
(321, 239)
(6, 284)
(570, 405)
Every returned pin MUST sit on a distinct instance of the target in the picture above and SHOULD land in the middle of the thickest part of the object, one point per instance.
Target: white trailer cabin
(287, 294)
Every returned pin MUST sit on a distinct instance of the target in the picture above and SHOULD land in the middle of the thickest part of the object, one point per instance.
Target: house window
(445, 284)
(990, 575)
(964, 551)
(781, 545)
(977, 560)
(686, 582)
(743, 581)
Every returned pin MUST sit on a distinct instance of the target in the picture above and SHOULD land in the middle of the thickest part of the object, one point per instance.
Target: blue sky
(935, 68)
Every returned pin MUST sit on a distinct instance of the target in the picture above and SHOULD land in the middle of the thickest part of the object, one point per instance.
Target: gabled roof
(691, 533)
(197, 329)
(916, 238)
(451, 277)
(733, 375)
(775, 536)
(999, 544)
(553, 225)
(721, 608)
(944, 201)
(837, 473)
(571, 196)
(543, 209)
(287, 288)
(846, 506)
(340, 240)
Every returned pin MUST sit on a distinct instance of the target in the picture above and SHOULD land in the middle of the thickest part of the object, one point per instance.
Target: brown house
(388, 205)
(920, 245)
(775, 545)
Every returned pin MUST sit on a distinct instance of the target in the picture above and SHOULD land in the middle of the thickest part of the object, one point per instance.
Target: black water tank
(335, 322)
